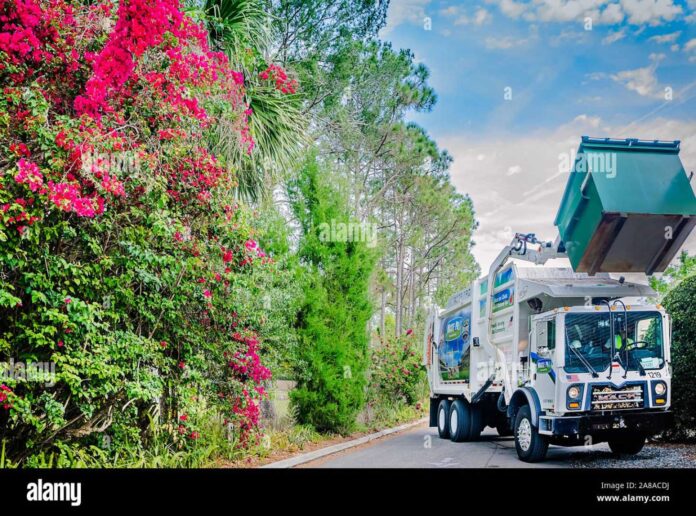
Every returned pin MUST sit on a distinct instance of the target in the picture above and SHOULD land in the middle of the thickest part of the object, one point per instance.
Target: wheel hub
(524, 434)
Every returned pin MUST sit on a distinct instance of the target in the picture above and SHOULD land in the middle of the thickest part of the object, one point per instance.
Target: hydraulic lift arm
(524, 247)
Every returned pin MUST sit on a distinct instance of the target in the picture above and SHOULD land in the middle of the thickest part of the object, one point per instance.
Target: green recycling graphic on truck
(454, 347)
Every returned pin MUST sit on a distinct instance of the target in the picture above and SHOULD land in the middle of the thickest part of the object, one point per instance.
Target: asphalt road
(420, 447)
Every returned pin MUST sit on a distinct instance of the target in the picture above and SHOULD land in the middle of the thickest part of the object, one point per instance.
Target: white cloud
(613, 37)
(508, 42)
(612, 14)
(569, 10)
(602, 12)
(513, 170)
(406, 11)
(596, 76)
(576, 36)
(503, 43)
(666, 38)
(527, 202)
(452, 10)
(589, 121)
(512, 9)
(690, 45)
(642, 80)
(461, 17)
(481, 16)
(652, 12)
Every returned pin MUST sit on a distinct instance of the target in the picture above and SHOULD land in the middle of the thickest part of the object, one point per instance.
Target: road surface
(420, 447)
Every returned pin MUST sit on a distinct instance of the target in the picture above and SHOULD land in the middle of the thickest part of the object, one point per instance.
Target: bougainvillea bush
(397, 373)
(124, 257)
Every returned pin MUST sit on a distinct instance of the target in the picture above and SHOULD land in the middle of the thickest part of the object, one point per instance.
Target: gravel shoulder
(654, 455)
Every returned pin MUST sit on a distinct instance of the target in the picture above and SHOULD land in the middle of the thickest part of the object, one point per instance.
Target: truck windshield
(637, 337)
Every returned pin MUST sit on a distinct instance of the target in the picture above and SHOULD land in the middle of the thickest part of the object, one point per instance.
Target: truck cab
(591, 390)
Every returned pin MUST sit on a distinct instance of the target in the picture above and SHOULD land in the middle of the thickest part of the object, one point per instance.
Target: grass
(218, 449)
(292, 439)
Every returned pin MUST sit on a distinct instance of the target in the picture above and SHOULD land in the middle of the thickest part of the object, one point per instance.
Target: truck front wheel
(530, 446)
(628, 444)
(443, 419)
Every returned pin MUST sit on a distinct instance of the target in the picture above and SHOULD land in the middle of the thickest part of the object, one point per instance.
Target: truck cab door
(542, 371)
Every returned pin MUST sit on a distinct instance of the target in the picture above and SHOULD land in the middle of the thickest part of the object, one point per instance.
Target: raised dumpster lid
(563, 282)
(628, 206)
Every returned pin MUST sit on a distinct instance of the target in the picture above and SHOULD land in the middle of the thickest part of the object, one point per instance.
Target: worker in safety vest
(618, 343)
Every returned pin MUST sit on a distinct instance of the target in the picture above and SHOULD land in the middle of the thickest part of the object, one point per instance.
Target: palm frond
(241, 29)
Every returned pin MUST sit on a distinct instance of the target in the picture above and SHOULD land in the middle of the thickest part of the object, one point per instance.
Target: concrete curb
(330, 450)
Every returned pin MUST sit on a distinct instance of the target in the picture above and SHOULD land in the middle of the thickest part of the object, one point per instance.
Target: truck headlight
(573, 392)
(660, 388)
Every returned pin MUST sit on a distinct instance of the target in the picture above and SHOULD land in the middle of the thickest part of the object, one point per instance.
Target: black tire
(629, 444)
(504, 429)
(443, 419)
(476, 415)
(460, 421)
(530, 446)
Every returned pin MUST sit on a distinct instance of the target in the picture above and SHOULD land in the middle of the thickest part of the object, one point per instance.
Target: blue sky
(620, 68)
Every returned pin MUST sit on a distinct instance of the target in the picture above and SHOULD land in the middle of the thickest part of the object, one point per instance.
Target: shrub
(680, 305)
(126, 261)
(397, 374)
(332, 323)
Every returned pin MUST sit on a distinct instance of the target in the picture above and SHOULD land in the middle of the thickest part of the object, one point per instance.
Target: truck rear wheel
(460, 421)
(630, 444)
(443, 419)
(530, 446)
(476, 416)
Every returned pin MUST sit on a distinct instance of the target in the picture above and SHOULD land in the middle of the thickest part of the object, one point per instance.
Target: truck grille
(608, 398)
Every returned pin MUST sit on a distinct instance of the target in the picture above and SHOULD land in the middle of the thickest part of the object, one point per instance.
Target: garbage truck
(574, 355)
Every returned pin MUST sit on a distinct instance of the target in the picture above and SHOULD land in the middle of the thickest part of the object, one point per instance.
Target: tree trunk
(399, 283)
(411, 288)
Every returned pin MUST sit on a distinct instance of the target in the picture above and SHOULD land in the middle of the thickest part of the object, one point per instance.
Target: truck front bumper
(647, 422)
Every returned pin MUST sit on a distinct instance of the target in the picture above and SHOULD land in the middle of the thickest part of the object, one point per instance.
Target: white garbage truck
(569, 356)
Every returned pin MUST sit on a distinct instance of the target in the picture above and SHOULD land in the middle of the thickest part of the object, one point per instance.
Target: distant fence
(275, 411)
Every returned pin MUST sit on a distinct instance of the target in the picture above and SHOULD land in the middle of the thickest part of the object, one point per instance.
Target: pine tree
(332, 324)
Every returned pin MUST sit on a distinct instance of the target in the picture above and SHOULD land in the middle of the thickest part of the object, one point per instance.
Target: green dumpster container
(628, 206)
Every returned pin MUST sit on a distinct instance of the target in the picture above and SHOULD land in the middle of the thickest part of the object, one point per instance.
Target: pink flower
(68, 197)
(29, 174)
(238, 77)
(207, 293)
